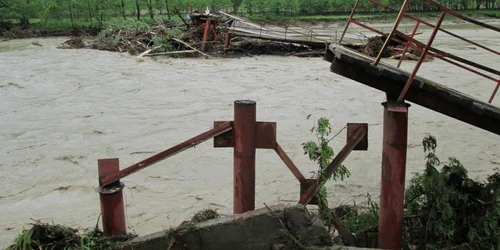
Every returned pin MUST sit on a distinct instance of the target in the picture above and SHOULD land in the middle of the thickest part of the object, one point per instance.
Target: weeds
(55, 237)
(320, 152)
(444, 209)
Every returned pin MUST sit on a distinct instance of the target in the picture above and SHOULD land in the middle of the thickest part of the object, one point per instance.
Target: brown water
(61, 110)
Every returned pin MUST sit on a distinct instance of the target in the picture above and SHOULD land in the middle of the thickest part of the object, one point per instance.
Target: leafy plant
(446, 209)
(320, 152)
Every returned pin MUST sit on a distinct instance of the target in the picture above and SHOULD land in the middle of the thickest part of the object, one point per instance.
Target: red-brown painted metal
(358, 134)
(167, 153)
(395, 136)
(456, 58)
(265, 136)
(408, 43)
(463, 67)
(244, 156)
(470, 20)
(422, 57)
(494, 92)
(440, 29)
(349, 20)
(208, 24)
(393, 31)
(227, 42)
(289, 163)
(111, 197)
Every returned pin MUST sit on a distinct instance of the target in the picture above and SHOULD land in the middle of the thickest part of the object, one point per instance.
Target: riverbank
(64, 28)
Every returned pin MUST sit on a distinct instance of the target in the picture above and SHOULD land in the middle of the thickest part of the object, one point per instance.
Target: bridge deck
(429, 94)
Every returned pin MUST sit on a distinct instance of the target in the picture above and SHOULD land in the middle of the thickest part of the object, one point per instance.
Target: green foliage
(363, 218)
(446, 209)
(320, 152)
(49, 236)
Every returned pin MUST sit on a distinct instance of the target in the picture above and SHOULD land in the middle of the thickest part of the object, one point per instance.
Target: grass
(382, 16)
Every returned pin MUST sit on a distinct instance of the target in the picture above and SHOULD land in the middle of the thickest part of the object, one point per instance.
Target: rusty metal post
(111, 196)
(394, 148)
(227, 42)
(205, 35)
(244, 156)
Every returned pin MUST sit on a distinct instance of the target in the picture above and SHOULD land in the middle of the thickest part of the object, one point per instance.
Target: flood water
(61, 110)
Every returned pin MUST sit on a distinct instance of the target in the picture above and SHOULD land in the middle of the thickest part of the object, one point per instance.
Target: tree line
(90, 12)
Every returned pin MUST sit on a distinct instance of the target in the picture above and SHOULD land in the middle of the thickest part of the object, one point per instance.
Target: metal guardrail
(245, 135)
(427, 48)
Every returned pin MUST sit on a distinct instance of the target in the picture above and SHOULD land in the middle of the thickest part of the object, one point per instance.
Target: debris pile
(52, 236)
(394, 50)
(206, 34)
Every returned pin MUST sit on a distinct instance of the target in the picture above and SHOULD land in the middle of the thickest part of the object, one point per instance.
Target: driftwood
(309, 54)
(191, 47)
(171, 53)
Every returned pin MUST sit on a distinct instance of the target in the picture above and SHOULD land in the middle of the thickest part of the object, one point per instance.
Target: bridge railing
(427, 49)
(245, 135)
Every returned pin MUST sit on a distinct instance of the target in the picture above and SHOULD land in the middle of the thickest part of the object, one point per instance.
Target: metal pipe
(244, 156)
(394, 28)
(494, 92)
(111, 197)
(395, 136)
(289, 163)
(470, 20)
(440, 29)
(227, 42)
(456, 58)
(349, 20)
(422, 57)
(167, 153)
(408, 43)
(205, 35)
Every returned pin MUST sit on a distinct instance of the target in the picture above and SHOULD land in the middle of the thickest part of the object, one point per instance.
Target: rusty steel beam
(439, 56)
(439, 98)
(393, 31)
(227, 42)
(446, 54)
(470, 20)
(419, 45)
(395, 137)
(358, 134)
(494, 92)
(244, 156)
(111, 199)
(422, 57)
(208, 25)
(440, 29)
(289, 163)
(167, 153)
(349, 20)
(407, 44)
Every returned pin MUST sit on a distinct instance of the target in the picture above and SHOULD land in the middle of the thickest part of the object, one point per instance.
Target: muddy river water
(61, 110)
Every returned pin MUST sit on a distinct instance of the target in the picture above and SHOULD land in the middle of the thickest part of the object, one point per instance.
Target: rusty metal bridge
(245, 134)
(401, 86)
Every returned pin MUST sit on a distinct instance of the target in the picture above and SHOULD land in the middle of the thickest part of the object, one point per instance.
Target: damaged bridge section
(429, 94)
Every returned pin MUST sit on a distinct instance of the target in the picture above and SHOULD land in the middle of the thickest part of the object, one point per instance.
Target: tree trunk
(150, 8)
(71, 15)
(123, 10)
(168, 11)
(25, 20)
(138, 9)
